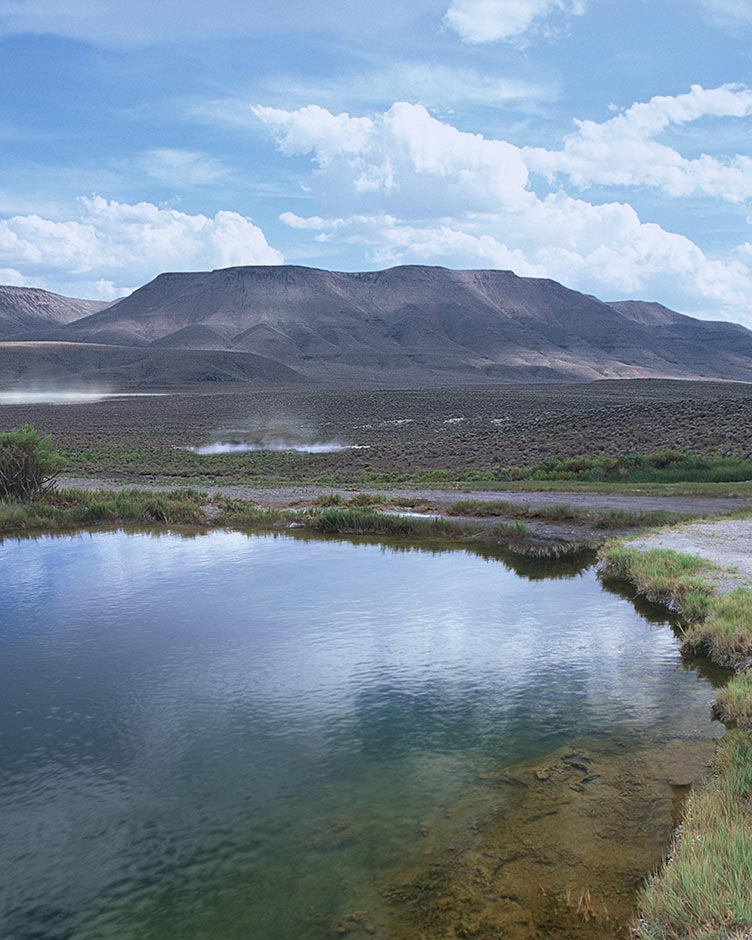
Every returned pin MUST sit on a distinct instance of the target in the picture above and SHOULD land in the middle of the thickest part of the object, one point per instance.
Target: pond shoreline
(529, 523)
(704, 889)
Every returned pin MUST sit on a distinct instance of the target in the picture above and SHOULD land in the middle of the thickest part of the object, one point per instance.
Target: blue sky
(604, 143)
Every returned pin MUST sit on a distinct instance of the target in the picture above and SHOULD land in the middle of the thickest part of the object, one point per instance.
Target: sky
(604, 143)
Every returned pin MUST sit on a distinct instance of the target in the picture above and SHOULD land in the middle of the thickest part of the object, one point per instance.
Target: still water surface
(232, 736)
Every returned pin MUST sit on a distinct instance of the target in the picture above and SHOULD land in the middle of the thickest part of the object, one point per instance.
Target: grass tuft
(362, 521)
(68, 509)
(705, 891)
(560, 512)
(734, 703)
(726, 630)
(243, 512)
(663, 576)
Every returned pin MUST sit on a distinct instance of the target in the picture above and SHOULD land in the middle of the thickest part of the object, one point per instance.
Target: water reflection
(233, 735)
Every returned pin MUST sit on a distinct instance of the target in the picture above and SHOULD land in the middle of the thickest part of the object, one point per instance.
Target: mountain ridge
(413, 325)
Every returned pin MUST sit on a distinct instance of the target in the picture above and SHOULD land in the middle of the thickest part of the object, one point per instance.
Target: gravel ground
(727, 544)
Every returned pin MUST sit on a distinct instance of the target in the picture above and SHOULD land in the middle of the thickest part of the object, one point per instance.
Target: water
(231, 736)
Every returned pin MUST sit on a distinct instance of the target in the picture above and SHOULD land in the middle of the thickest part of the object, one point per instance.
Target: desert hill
(25, 310)
(406, 326)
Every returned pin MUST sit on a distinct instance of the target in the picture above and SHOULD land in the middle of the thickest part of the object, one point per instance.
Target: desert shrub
(29, 464)
(663, 467)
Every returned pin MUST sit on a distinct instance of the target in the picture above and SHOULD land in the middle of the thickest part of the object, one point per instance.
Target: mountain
(25, 310)
(411, 326)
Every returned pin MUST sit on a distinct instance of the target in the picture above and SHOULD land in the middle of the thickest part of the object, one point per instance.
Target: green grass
(327, 500)
(363, 521)
(700, 490)
(662, 467)
(241, 513)
(663, 576)
(68, 509)
(725, 632)
(510, 528)
(560, 512)
(734, 703)
(705, 891)
(718, 624)
(71, 509)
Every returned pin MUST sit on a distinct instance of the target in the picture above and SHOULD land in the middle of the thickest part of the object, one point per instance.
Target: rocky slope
(26, 310)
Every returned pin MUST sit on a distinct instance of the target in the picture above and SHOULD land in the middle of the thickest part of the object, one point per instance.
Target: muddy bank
(564, 856)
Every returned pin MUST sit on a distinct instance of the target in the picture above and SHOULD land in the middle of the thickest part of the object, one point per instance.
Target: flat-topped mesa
(417, 325)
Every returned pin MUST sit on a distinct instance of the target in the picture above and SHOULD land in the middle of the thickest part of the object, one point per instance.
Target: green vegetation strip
(718, 624)
(57, 510)
(599, 519)
(71, 509)
(704, 890)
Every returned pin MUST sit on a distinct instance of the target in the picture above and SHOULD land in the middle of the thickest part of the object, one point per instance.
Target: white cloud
(623, 150)
(403, 161)
(9, 276)
(111, 244)
(314, 129)
(480, 21)
(412, 188)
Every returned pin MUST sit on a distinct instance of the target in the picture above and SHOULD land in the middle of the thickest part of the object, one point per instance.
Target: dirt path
(727, 544)
(281, 496)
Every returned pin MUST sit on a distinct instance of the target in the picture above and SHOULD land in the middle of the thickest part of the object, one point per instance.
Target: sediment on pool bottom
(565, 857)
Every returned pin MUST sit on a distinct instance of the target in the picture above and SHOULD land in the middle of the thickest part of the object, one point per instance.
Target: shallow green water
(234, 736)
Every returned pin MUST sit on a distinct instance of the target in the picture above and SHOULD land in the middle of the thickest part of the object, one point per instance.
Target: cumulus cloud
(404, 161)
(9, 276)
(113, 245)
(624, 150)
(411, 188)
(480, 21)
